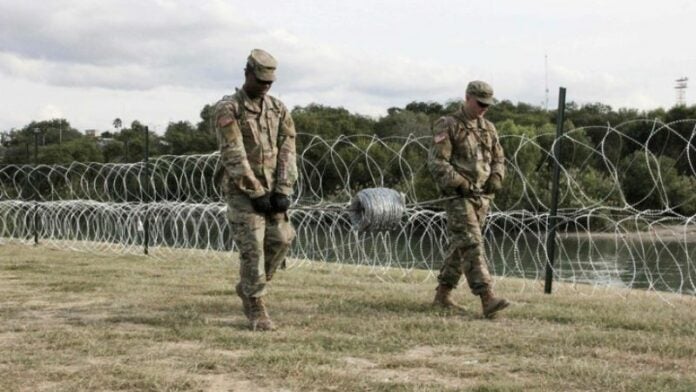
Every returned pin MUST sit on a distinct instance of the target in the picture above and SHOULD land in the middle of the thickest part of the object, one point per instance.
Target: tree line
(585, 124)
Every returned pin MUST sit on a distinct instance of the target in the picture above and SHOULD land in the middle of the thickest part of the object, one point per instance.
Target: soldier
(256, 136)
(466, 159)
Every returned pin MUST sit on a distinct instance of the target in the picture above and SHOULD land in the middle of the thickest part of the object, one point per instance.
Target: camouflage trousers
(466, 253)
(263, 241)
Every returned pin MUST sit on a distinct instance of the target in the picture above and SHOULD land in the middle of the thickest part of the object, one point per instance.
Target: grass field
(71, 321)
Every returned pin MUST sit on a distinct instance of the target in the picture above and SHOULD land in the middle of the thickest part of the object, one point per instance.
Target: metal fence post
(37, 131)
(146, 223)
(553, 218)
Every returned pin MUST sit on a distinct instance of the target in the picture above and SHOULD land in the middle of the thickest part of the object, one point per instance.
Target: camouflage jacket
(464, 147)
(257, 145)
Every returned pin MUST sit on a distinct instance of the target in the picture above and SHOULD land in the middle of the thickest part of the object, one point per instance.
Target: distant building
(91, 133)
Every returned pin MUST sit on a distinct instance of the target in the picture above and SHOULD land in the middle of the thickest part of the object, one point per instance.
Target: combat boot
(492, 304)
(443, 298)
(245, 300)
(259, 319)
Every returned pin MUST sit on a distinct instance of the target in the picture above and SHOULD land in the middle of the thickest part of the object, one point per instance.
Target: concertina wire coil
(101, 207)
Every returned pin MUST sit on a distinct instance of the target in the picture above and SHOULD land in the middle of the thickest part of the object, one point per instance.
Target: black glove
(493, 184)
(280, 202)
(463, 189)
(262, 204)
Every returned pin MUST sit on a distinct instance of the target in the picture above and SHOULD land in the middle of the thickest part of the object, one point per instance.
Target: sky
(160, 61)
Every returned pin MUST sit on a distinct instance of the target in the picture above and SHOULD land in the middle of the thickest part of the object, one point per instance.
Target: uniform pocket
(244, 219)
(273, 118)
(252, 144)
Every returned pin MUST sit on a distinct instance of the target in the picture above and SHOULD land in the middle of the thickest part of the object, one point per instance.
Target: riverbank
(74, 321)
(656, 232)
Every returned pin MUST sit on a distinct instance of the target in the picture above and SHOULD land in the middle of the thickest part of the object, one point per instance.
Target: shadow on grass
(193, 315)
(215, 293)
(29, 266)
(358, 306)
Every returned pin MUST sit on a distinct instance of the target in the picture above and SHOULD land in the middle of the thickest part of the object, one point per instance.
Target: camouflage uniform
(257, 149)
(465, 151)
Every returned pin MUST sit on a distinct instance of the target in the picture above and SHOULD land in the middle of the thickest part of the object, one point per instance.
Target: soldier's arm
(286, 169)
(232, 152)
(497, 156)
(439, 157)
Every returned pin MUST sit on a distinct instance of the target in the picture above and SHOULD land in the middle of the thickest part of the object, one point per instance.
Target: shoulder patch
(440, 137)
(224, 120)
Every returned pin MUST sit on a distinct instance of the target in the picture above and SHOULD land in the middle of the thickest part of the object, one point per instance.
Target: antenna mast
(546, 82)
(681, 90)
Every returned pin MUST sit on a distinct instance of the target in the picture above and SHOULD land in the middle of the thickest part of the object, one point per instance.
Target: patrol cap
(263, 64)
(481, 91)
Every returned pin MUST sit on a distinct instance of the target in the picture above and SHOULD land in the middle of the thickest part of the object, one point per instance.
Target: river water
(642, 262)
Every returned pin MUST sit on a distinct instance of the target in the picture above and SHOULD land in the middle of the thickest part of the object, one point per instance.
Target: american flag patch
(224, 121)
(440, 137)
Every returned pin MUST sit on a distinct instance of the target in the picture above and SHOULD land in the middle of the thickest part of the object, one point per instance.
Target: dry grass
(76, 322)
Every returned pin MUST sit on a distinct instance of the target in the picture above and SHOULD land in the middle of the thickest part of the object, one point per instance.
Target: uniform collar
(250, 104)
(468, 119)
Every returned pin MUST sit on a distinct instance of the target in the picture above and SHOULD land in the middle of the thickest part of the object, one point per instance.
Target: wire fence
(626, 207)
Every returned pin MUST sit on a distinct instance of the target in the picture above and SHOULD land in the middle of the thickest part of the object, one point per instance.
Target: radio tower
(681, 90)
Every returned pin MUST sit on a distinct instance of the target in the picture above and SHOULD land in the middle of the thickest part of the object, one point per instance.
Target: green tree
(50, 132)
(133, 140)
(183, 139)
(403, 123)
(432, 109)
(653, 182)
(524, 183)
(206, 124)
(521, 114)
(329, 122)
(113, 151)
(21, 142)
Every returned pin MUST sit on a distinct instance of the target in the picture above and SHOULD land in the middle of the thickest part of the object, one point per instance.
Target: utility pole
(37, 132)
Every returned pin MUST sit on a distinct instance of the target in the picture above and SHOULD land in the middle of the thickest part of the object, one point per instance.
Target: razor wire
(626, 205)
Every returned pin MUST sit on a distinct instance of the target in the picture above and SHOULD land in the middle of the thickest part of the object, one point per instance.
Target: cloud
(153, 44)
(126, 77)
(140, 44)
(162, 56)
(49, 112)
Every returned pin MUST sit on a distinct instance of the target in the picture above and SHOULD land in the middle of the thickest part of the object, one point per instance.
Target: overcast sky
(162, 61)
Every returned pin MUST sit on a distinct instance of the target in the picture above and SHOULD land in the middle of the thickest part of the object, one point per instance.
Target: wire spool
(377, 209)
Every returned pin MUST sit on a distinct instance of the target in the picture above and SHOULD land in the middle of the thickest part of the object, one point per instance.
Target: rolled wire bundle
(377, 209)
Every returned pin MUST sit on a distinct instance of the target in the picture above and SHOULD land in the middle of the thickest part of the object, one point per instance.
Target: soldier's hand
(280, 202)
(464, 189)
(262, 204)
(493, 184)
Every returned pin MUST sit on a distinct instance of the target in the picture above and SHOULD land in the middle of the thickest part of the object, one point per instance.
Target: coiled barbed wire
(607, 235)
(377, 209)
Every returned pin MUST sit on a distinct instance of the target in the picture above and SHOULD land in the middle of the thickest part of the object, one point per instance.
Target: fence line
(626, 205)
